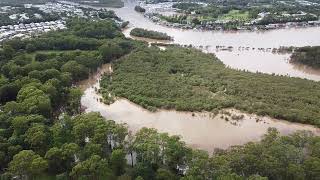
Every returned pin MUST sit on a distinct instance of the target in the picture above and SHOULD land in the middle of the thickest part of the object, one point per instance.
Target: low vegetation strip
(106, 3)
(309, 56)
(189, 80)
(139, 32)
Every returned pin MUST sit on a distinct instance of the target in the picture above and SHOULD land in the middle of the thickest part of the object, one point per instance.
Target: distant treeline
(309, 56)
(139, 32)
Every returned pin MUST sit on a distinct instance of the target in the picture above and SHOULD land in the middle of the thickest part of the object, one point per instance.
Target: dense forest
(45, 135)
(139, 32)
(189, 80)
(309, 56)
(37, 93)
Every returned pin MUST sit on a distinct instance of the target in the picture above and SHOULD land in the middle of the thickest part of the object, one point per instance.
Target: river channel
(199, 130)
(202, 130)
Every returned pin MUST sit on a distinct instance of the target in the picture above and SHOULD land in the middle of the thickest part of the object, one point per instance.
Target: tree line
(106, 3)
(309, 55)
(37, 89)
(139, 32)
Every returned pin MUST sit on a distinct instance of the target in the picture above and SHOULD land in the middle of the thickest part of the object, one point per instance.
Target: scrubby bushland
(139, 32)
(309, 56)
(187, 79)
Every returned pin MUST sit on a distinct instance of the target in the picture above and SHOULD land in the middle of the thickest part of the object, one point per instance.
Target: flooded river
(252, 60)
(198, 130)
(202, 130)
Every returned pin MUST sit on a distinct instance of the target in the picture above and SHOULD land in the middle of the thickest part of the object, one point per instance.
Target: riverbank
(100, 3)
(308, 56)
(224, 16)
(219, 27)
(204, 130)
(253, 61)
(265, 60)
(40, 99)
(189, 80)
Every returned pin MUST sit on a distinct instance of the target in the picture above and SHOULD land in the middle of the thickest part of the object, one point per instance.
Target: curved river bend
(252, 60)
(198, 130)
(201, 130)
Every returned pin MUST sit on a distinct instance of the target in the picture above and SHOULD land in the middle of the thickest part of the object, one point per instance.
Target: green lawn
(235, 15)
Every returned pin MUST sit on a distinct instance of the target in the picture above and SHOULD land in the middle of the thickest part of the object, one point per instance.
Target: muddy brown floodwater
(202, 130)
(253, 61)
(198, 130)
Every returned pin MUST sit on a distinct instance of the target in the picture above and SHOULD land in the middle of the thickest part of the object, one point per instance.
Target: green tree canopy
(27, 164)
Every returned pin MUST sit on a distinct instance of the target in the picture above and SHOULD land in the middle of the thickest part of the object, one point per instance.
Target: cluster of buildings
(292, 24)
(221, 25)
(307, 3)
(23, 30)
(26, 30)
(61, 8)
(153, 11)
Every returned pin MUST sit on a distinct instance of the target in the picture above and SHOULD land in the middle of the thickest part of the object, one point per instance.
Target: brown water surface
(253, 61)
(202, 130)
(198, 130)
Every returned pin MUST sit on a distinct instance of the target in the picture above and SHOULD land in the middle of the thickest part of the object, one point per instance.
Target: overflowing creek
(203, 130)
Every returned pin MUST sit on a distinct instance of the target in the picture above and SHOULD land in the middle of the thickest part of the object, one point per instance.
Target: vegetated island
(189, 80)
(139, 32)
(309, 56)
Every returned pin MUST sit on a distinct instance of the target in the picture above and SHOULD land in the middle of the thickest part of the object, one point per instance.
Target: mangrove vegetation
(309, 56)
(189, 80)
(139, 32)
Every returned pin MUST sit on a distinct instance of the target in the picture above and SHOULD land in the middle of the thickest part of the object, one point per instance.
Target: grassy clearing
(234, 15)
